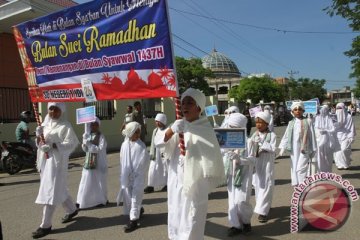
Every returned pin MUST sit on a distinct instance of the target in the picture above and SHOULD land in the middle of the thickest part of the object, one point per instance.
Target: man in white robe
(157, 175)
(197, 173)
(324, 133)
(299, 140)
(93, 184)
(345, 133)
(52, 162)
(134, 159)
(262, 146)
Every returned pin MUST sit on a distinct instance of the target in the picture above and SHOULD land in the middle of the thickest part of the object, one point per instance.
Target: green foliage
(305, 89)
(350, 10)
(257, 89)
(191, 73)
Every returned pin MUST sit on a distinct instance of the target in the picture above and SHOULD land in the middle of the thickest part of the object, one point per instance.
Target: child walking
(93, 184)
(262, 146)
(133, 164)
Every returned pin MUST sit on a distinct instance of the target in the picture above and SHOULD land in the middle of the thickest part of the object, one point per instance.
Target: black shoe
(233, 231)
(131, 226)
(164, 189)
(41, 232)
(141, 212)
(263, 218)
(77, 206)
(246, 228)
(68, 217)
(149, 189)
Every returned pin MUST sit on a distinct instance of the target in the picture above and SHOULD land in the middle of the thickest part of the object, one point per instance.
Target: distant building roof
(221, 65)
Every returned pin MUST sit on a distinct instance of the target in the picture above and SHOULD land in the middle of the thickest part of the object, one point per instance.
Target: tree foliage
(256, 89)
(191, 73)
(305, 89)
(350, 10)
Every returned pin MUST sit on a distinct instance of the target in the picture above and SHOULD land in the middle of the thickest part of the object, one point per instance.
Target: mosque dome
(220, 65)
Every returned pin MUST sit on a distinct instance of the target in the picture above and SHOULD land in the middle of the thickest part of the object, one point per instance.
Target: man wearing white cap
(157, 175)
(262, 146)
(52, 163)
(299, 140)
(193, 176)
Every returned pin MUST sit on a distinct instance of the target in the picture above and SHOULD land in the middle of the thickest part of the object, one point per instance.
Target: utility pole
(291, 74)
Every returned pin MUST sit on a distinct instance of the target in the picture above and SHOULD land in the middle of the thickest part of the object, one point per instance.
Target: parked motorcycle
(16, 156)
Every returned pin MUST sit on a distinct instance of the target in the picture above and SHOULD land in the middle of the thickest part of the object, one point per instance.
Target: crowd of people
(185, 160)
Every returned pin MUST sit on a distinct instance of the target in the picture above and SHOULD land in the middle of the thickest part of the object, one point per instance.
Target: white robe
(93, 183)
(54, 170)
(345, 133)
(264, 172)
(200, 170)
(157, 175)
(134, 159)
(299, 161)
(240, 209)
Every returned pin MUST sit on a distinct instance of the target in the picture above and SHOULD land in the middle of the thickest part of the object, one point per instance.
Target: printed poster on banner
(233, 138)
(85, 115)
(88, 90)
(310, 107)
(122, 47)
(253, 111)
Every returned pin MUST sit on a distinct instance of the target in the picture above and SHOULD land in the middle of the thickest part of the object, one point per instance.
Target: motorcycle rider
(22, 129)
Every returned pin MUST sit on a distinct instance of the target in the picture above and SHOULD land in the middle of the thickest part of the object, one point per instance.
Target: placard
(310, 107)
(211, 110)
(253, 111)
(231, 137)
(85, 115)
(88, 90)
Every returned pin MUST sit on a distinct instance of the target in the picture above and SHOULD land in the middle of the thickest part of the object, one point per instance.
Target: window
(104, 109)
(151, 107)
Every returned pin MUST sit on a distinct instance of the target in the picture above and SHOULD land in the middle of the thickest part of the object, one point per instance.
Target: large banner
(122, 47)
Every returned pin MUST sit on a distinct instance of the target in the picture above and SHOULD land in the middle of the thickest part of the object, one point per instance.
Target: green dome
(221, 65)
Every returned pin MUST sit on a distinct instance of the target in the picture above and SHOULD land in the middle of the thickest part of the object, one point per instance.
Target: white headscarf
(237, 120)
(297, 105)
(341, 114)
(130, 129)
(233, 109)
(87, 125)
(161, 118)
(195, 94)
(323, 120)
(264, 116)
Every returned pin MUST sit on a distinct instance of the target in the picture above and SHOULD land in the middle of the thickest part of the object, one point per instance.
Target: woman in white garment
(345, 133)
(93, 184)
(238, 171)
(52, 162)
(324, 133)
(198, 171)
(134, 160)
(157, 175)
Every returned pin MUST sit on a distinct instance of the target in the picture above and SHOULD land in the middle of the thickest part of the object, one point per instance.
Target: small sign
(88, 90)
(315, 99)
(231, 137)
(288, 105)
(253, 111)
(85, 115)
(310, 107)
(211, 110)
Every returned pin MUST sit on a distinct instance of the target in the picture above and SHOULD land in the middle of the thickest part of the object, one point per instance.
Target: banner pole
(179, 116)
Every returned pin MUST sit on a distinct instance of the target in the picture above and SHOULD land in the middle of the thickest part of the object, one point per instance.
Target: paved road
(20, 216)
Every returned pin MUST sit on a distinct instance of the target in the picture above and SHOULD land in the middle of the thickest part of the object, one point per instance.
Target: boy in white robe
(52, 162)
(299, 140)
(262, 146)
(324, 133)
(93, 184)
(345, 134)
(197, 172)
(134, 160)
(239, 172)
(157, 175)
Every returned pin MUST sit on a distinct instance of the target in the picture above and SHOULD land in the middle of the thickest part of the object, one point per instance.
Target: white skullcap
(195, 94)
(264, 116)
(233, 109)
(59, 105)
(267, 107)
(297, 105)
(237, 120)
(340, 105)
(161, 118)
(130, 129)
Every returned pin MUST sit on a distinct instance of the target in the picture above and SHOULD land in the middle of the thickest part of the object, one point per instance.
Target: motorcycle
(16, 156)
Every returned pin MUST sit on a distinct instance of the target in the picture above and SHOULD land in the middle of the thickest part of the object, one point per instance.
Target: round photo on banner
(325, 206)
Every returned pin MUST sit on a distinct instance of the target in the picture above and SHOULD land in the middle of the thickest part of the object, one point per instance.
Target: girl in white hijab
(52, 159)
(345, 133)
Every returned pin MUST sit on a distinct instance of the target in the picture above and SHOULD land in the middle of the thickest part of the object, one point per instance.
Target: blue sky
(256, 50)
